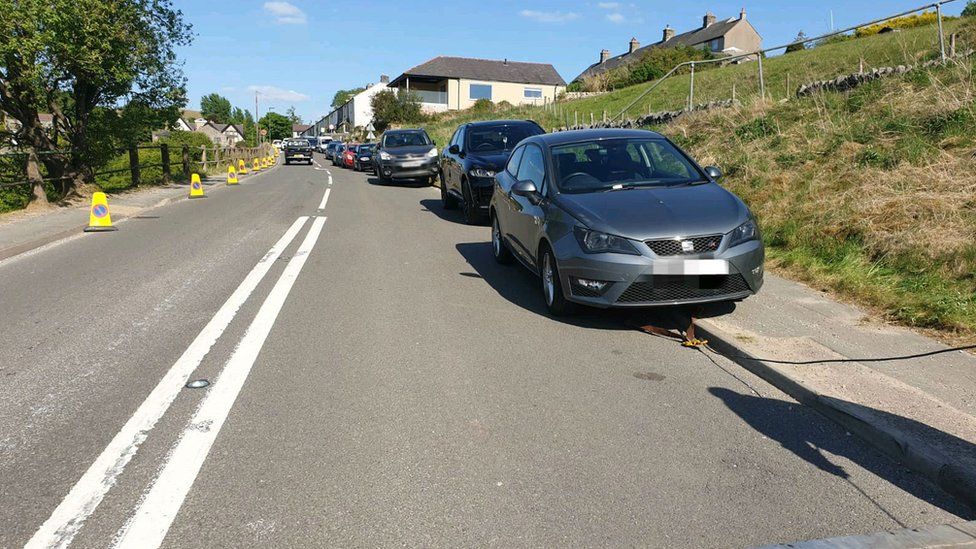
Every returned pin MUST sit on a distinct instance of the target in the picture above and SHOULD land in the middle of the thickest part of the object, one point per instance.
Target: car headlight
(595, 242)
(385, 155)
(432, 153)
(744, 233)
(481, 172)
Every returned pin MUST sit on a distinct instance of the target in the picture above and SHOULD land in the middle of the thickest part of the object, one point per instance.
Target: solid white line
(152, 520)
(87, 493)
(330, 179)
(325, 199)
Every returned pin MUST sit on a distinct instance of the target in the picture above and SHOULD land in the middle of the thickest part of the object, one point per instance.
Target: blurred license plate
(364, 158)
(691, 267)
(412, 163)
(299, 156)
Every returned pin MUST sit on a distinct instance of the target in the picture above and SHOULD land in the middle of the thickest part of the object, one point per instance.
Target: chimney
(634, 44)
(384, 79)
(742, 14)
(604, 55)
(708, 20)
(668, 33)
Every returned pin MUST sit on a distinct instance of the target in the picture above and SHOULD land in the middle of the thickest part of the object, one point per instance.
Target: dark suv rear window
(497, 138)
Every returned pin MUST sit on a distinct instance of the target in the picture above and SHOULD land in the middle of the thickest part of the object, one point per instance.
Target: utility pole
(257, 124)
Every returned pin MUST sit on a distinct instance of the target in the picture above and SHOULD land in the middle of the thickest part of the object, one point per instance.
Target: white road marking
(330, 177)
(87, 493)
(148, 526)
(325, 199)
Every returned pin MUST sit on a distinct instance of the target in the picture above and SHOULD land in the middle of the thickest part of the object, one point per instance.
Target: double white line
(159, 506)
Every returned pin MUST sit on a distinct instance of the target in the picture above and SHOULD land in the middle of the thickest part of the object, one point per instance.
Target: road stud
(99, 219)
(241, 167)
(196, 187)
(231, 175)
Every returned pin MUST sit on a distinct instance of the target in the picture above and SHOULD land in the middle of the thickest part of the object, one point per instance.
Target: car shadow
(523, 288)
(410, 183)
(793, 427)
(434, 206)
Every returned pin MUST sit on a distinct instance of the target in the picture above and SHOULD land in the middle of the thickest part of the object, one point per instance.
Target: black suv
(468, 165)
(406, 154)
(297, 149)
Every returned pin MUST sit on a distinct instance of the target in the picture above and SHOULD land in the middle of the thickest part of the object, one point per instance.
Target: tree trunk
(38, 196)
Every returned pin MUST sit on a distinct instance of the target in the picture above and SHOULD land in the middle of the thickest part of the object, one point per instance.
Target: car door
(527, 218)
(447, 159)
(456, 163)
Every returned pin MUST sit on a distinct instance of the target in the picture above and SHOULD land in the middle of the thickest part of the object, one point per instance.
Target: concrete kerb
(64, 235)
(917, 456)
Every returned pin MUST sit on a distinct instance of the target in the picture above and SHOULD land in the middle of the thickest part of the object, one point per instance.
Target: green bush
(483, 106)
(655, 63)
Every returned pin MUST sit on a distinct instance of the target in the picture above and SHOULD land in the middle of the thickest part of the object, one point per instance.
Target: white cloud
(275, 93)
(549, 16)
(285, 13)
(608, 5)
(615, 18)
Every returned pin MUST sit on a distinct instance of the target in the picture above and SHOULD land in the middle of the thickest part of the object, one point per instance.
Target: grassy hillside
(869, 193)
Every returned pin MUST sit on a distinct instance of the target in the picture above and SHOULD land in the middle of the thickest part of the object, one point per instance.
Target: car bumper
(298, 156)
(406, 169)
(651, 281)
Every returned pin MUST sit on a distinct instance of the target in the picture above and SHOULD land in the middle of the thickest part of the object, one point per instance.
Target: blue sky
(299, 52)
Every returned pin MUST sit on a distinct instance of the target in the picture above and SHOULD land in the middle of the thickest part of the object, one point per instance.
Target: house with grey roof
(729, 37)
(454, 83)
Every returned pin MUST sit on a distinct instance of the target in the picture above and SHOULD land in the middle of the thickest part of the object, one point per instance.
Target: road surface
(376, 379)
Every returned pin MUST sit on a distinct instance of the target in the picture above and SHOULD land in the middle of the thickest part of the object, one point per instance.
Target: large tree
(390, 107)
(278, 125)
(103, 68)
(293, 116)
(215, 108)
(342, 96)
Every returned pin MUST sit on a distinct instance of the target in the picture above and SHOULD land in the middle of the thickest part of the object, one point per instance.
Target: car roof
(500, 123)
(406, 130)
(575, 136)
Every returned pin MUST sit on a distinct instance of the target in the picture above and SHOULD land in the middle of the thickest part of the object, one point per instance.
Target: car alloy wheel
(548, 279)
(498, 247)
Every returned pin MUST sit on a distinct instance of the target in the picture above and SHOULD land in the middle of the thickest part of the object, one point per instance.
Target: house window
(533, 93)
(480, 91)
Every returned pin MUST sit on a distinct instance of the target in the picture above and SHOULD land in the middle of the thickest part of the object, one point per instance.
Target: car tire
(448, 202)
(469, 209)
(499, 250)
(552, 288)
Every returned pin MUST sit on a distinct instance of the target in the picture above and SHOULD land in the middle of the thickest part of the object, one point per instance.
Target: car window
(513, 162)
(532, 168)
(454, 138)
(615, 163)
(503, 137)
(405, 139)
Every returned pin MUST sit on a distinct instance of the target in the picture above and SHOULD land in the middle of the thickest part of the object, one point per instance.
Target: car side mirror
(713, 172)
(454, 149)
(528, 190)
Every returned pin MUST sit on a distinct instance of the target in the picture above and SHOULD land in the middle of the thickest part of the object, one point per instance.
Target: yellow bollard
(196, 187)
(241, 167)
(99, 219)
(231, 175)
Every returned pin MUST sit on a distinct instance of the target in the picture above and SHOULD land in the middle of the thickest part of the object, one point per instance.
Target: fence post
(186, 162)
(164, 156)
(691, 88)
(942, 48)
(789, 92)
(733, 92)
(134, 165)
(952, 45)
(762, 79)
(203, 158)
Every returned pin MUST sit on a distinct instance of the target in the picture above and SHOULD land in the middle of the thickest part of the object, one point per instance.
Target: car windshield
(613, 164)
(497, 138)
(405, 139)
(366, 148)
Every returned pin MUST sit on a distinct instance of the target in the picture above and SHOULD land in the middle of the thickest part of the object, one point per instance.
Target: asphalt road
(378, 380)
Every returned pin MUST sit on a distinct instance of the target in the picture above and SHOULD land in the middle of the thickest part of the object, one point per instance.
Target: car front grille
(662, 288)
(702, 244)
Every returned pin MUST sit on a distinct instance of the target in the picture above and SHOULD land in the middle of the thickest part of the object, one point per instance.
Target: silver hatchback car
(623, 218)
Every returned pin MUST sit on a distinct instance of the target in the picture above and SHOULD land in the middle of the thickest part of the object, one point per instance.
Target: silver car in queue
(623, 218)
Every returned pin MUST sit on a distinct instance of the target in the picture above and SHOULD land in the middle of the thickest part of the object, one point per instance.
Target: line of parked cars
(605, 217)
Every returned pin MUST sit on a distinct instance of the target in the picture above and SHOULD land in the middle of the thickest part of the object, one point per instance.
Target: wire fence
(137, 165)
(689, 67)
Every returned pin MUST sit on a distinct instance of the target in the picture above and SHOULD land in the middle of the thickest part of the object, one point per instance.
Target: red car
(349, 155)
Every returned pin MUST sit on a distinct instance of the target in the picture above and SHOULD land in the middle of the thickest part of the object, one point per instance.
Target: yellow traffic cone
(255, 165)
(99, 219)
(196, 187)
(241, 167)
(231, 175)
